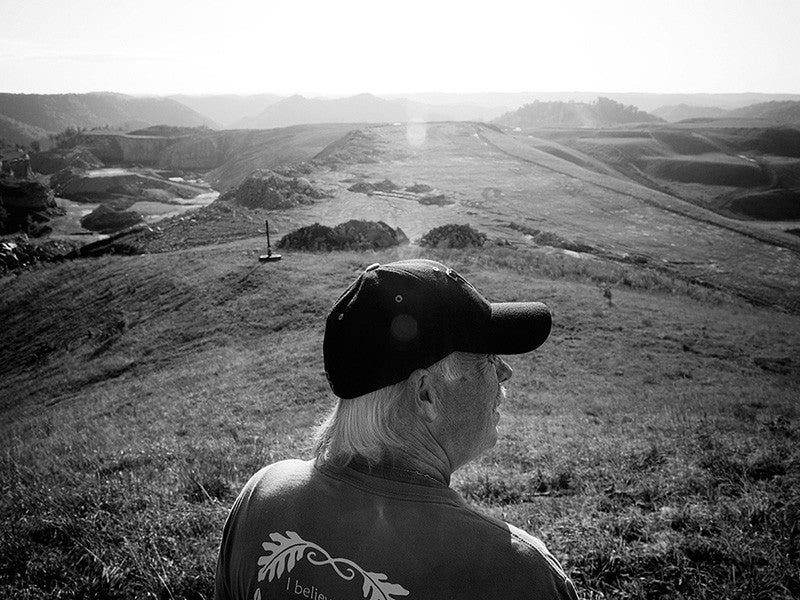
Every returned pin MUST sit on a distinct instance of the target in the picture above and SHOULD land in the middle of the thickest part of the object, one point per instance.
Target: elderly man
(410, 350)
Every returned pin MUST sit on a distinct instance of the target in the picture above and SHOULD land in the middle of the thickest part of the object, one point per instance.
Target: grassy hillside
(652, 442)
(786, 112)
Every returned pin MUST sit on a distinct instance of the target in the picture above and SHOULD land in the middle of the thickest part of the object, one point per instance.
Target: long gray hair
(373, 426)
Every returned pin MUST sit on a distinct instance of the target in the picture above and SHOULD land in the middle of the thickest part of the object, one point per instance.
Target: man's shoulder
(528, 553)
(281, 474)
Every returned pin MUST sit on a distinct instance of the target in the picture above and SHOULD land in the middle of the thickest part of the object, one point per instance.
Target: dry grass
(644, 443)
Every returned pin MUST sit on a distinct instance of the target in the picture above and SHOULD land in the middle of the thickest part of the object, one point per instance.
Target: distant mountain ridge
(227, 109)
(361, 108)
(56, 112)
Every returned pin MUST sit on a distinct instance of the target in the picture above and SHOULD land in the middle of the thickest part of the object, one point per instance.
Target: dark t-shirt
(302, 531)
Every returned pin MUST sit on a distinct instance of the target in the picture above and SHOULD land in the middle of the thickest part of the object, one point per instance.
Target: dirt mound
(351, 235)
(355, 147)
(105, 219)
(453, 236)
(271, 190)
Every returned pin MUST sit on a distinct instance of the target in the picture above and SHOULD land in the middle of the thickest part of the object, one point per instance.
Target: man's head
(411, 350)
(408, 315)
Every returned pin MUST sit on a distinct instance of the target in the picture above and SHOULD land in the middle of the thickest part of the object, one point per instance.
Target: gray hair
(372, 426)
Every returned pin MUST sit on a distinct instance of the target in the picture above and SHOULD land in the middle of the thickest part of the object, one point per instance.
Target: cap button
(372, 267)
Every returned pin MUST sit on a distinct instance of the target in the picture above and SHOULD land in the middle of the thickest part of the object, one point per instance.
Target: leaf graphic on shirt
(377, 587)
(282, 553)
(285, 550)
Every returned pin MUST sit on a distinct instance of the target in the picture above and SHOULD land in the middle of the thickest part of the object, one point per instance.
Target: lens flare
(416, 133)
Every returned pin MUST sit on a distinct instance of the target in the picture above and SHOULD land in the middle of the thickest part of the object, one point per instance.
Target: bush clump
(453, 236)
(351, 235)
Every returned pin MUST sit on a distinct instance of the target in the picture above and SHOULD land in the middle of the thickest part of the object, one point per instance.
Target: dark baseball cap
(407, 315)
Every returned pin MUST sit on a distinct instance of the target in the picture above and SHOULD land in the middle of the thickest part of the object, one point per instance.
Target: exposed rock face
(453, 236)
(270, 190)
(105, 219)
(52, 161)
(80, 186)
(23, 204)
(351, 235)
(198, 153)
(17, 166)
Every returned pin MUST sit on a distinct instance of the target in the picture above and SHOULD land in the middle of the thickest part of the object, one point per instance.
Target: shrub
(453, 236)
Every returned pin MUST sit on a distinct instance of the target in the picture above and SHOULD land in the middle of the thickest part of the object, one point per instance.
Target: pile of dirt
(453, 236)
(366, 187)
(356, 147)
(351, 235)
(271, 190)
(435, 199)
(419, 188)
(106, 219)
(18, 252)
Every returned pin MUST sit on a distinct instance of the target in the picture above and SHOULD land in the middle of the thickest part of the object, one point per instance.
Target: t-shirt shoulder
(534, 550)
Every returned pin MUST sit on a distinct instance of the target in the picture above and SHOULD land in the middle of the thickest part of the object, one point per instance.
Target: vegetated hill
(601, 113)
(785, 113)
(56, 112)
(16, 132)
(227, 109)
(681, 112)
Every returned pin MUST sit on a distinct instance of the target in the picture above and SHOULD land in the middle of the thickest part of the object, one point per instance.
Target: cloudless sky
(340, 47)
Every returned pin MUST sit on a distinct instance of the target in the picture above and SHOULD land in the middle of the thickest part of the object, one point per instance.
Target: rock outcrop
(82, 186)
(18, 252)
(26, 205)
(55, 160)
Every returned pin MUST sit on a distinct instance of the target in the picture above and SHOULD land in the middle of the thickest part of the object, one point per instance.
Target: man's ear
(424, 395)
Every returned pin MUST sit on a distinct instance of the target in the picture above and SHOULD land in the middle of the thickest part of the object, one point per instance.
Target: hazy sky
(381, 46)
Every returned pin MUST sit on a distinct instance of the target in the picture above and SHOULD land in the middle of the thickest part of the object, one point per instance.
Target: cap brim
(517, 327)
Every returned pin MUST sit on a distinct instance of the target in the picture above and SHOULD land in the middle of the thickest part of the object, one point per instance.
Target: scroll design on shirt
(286, 550)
